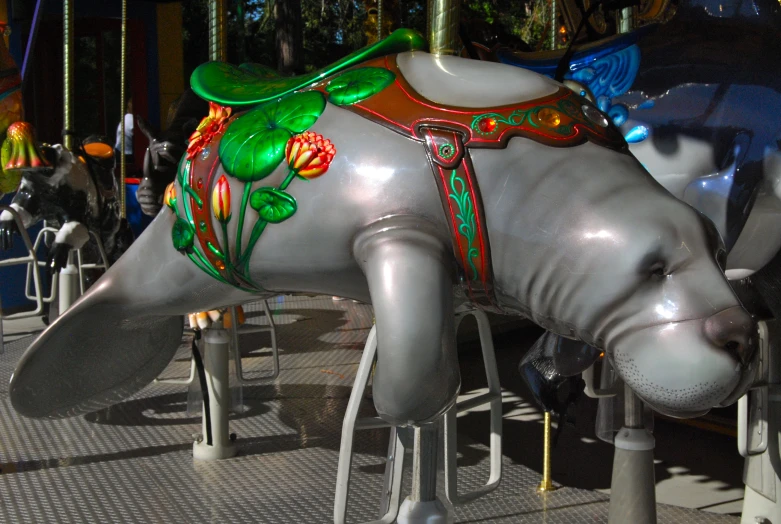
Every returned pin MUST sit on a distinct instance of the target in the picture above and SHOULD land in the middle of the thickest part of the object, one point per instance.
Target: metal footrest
(494, 398)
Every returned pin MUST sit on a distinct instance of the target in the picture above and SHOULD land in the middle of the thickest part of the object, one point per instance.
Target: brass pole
(554, 30)
(379, 20)
(67, 78)
(444, 16)
(122, 94)
(218, 34)
(546, 485)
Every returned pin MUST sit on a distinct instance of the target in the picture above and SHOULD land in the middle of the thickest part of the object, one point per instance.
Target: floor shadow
(581, 460)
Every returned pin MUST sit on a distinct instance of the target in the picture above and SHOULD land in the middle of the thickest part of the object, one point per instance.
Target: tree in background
(296, 36)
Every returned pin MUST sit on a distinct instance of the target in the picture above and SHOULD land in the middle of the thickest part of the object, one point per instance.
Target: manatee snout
(685, 368)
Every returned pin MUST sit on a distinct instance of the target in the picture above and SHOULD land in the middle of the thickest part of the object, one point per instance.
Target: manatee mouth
(685, 368)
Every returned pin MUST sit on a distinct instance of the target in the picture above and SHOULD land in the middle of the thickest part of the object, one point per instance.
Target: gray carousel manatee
(409, 181)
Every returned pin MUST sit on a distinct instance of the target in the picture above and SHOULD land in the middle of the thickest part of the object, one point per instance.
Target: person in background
(128, 135)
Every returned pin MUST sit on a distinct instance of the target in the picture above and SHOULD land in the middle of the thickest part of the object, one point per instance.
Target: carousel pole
(122, 94)
(218, 35)
(379, 20)
(68, 285)
(444, 16)
(67, 79)
(546, 485)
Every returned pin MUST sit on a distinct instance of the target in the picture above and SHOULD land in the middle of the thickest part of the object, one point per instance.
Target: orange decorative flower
(209, 126)
(170, 195)
(221, 200)
(309, 154)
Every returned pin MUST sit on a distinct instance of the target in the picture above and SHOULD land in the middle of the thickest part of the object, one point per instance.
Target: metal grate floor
(133, 461)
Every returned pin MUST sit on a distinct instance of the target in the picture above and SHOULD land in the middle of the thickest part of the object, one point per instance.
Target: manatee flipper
(121, 334)
(410, 274)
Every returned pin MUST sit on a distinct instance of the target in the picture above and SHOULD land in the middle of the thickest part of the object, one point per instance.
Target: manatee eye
(659, 269)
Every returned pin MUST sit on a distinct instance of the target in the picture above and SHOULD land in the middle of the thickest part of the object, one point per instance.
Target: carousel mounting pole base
(633, 487)
(69, 287)
(215, 363)
(202, 451)
(418, 512)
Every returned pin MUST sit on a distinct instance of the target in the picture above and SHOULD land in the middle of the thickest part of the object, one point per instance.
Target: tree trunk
(287, 15)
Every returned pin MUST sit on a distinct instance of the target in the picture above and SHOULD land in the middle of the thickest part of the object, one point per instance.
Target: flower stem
(227, 244)
(257, 229)
(242, 260)
(290, 176)
(240, 229)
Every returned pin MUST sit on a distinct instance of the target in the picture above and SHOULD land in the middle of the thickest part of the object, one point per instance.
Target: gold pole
(444, 18)
(67, 78)
(379, 20)
(546, 485)
(122, 68)
(218, 34)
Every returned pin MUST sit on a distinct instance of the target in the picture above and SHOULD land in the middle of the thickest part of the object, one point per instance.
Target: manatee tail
(120, 335)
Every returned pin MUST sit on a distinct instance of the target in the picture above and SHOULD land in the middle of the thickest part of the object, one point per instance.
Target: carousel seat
(253, 84)
(453, 81)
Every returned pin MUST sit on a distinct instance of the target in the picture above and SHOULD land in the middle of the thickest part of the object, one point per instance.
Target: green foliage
(254, 145)
(182, 235)
(273, 205)
(358, 84)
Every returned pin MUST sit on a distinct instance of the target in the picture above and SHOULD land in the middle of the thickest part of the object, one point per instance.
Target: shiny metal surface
(584, 242)
(443, 26)
(457, 82)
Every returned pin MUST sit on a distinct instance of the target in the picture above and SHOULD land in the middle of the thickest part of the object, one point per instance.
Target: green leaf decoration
(273, 205)
(254, 144)
(259, 70)
(358, 84)
(182, 235)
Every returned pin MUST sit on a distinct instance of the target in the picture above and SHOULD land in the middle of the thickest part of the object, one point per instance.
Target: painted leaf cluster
(358, 84)
(254, 145)
(182, 235)
(273, 205)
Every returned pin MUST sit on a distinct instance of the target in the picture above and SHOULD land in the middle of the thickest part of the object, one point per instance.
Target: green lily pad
(182, 234)
(254, 144)
(273, 205)
(358, 84)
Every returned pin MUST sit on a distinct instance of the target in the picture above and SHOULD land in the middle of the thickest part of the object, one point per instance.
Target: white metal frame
(395, 461)
(32, 261)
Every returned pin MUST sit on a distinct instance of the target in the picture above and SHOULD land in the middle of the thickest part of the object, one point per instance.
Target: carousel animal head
(75, 191)
(165, 149)
(691, 116)
(384, 180)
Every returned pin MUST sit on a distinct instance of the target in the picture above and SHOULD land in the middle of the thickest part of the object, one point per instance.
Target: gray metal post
(68, 284)
(215, 363)
(423, 506)
(633, 486)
